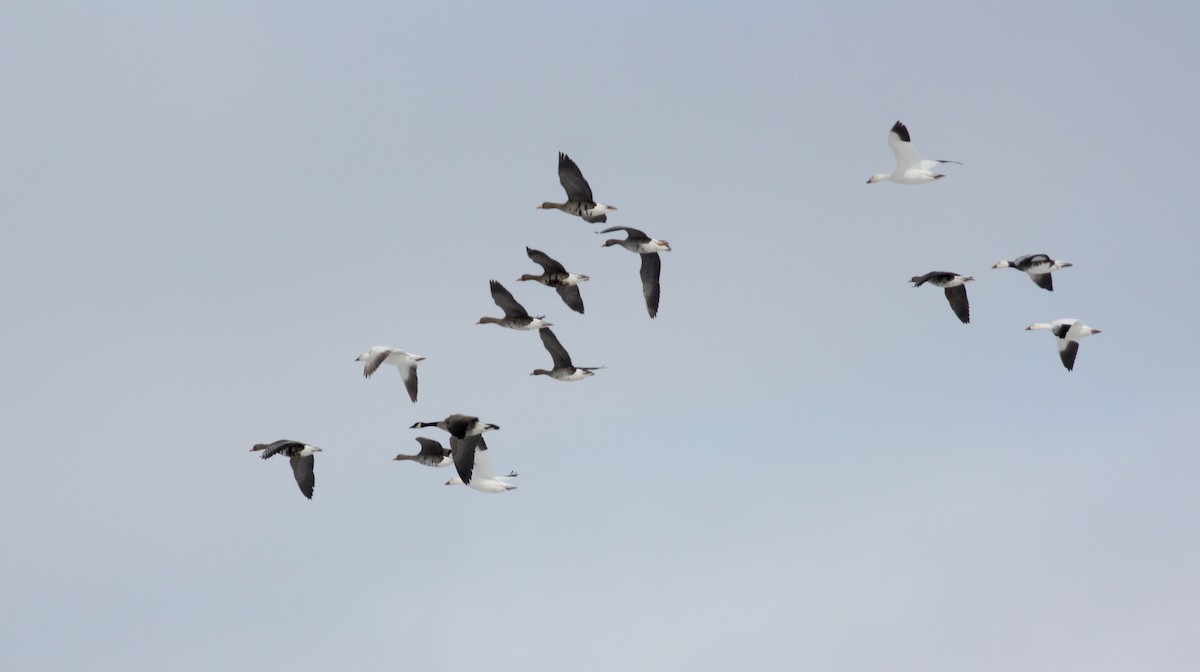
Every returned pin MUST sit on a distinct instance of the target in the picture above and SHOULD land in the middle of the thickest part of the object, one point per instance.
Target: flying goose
(404, 361)
(554, 275)
(459, 425)
(910, 169)
(432, 454)
(579, 195)
(1038, 266)
(301, 455)
(474, 465)
(563, 369)
(956, 292)
(515, 316)
(639, 242)
(1068, 331)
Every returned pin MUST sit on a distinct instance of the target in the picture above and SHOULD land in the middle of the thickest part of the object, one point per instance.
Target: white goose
(1068, 331)
(406, 362)
(910, 169)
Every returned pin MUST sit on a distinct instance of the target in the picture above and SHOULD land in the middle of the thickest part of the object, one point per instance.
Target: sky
(803, 463)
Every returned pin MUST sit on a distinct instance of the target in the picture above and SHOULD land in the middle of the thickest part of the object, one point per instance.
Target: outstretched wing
(506, 301)
(1067, 351)
(1043, 280)
(571, 296)
(572, 180)
(957, 296)
(378, 357)
(408, 372)
(634, 234)
(902, 147)
(470, 458)
(651, 266)
(542, 259)
(302, 467)
(557, 352)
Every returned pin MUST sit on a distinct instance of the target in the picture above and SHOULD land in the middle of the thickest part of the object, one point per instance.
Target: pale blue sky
(802, 464)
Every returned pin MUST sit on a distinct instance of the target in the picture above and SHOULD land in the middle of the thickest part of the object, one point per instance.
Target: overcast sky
(802, 464)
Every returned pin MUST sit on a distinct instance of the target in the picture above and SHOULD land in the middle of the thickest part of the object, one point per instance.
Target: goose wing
(901, 144)
(377, 358)
(651, 266)
(302, 467)
(542, 259)
(1067, 351)
(458, 424)
(505, 300)
(408, 372)
(471, 459)
(632, 233)
(1043, 280)
(571, 296)
(432, 453)
(572, 180)
(557, 352)
(274, 447)
(957, 296)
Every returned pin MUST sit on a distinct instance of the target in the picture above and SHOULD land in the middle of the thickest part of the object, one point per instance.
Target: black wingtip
(902, 131)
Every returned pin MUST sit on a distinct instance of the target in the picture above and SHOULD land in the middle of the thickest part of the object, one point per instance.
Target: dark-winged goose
(474, 465)
(956, 292)
(406, 362)
(301, 455)
(579, 195)
(459, 425)
(432, 454)
(910, 169)
(515, 316)
(556, 276)
(1038, 266)
(563, 369)
(637, 241)
(1068, 331)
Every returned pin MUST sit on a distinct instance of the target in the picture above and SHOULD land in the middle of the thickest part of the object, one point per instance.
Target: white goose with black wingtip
(1068, 331)
(910, 168)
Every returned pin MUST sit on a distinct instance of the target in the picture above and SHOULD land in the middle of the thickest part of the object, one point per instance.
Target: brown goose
(301, 455)
(579, 195)
(563, 368)
(432, 454)
(554, 275)
(639, 242)
(515, 316)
